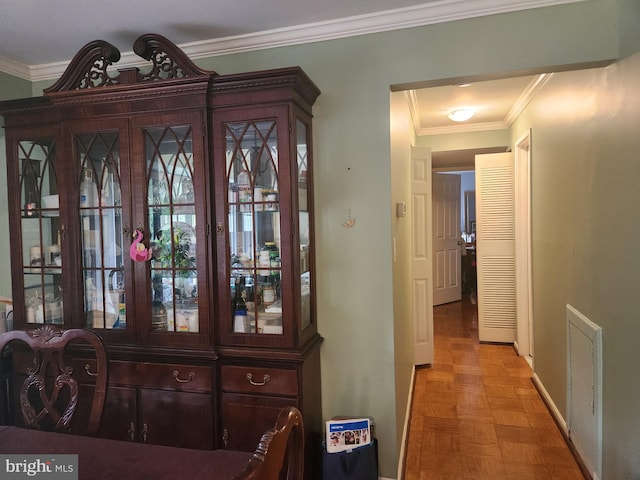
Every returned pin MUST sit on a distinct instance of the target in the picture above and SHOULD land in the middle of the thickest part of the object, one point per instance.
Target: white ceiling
(38, 38)
(496, 104)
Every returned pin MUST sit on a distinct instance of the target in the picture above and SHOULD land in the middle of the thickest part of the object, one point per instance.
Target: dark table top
(102, 459)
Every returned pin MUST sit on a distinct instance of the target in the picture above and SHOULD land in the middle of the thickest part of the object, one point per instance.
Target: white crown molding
(527, 95)
(438, 11)
(414, 110)
(14, 68)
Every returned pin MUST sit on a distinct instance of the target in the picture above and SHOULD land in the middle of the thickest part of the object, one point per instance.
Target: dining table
(105, 459)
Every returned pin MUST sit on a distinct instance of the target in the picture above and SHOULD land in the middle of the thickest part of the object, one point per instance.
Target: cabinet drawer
(192, 378)
(177, 377)
(83, 368)
(277, 381)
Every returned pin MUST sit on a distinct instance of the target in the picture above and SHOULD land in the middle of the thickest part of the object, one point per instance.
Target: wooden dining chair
(280, 448)
(49, 396)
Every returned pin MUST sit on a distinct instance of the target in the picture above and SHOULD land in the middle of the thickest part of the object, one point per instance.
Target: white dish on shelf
(50, 201)
(275, 307)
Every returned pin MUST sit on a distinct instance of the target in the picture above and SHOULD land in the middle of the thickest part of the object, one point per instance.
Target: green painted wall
(366, 363)
(585, 172)
(13, 87)
(10, 87)
(629, 12)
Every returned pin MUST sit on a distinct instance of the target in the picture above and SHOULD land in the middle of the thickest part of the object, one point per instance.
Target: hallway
(477, 415)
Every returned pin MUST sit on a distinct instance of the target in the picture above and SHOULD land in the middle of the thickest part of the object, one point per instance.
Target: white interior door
(447, 271)
(421, 261)
(495, 247)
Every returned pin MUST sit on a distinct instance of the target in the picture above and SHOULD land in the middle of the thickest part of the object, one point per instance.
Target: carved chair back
(49, 395)
(281, 447)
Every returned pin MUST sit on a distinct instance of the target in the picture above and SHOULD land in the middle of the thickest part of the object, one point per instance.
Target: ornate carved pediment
(168, 60)
(88, 69)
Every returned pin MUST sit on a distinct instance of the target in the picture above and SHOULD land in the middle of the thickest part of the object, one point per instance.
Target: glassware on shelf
(243, 185)
(158, 316)
(240, 311)
(53, 307)
(268, 293)
(31, 205)
(186, 316)
(35, 309)
(186, 191)
(43, 301)
(31, 174)
(53, 257)
(270, 201)
(117, 296)
(88, 190)
(35, 256)
(50, 206)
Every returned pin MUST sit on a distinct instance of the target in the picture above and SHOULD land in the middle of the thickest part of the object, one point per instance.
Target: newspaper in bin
(345, 435)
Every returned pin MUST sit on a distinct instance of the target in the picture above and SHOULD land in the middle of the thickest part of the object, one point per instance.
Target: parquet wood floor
(476, 414)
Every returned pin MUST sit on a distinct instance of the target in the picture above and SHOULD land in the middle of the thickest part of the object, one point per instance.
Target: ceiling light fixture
(461, 114)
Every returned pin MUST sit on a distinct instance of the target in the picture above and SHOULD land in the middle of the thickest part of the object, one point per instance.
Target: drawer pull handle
(176, 375)
(87, 368)
(145, 432)
(265, 379)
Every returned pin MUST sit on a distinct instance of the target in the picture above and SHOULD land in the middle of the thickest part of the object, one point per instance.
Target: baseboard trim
(405, 429)
(551, 406)
(560, 422)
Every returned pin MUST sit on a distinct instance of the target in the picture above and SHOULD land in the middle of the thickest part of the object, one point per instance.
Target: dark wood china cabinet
(170, 210)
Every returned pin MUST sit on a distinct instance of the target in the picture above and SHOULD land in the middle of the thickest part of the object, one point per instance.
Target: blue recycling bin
(360, 463)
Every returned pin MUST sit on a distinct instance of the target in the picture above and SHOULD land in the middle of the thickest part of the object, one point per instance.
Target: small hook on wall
(350, 222)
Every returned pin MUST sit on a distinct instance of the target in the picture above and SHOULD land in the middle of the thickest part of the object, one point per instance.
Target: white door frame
(522, 160)
(524, 305)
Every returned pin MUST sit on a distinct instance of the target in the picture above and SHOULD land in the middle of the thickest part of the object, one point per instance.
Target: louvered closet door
(495, 247)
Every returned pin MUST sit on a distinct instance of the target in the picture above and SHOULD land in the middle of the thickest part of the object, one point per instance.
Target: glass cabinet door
(304, 224)
(101, 230)
(172, 220)
(138, 233)
(254, 226)
(41, 231)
